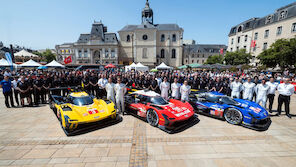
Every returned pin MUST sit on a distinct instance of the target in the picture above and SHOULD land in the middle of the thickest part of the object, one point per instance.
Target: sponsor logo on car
(256, 110)
(93, 111)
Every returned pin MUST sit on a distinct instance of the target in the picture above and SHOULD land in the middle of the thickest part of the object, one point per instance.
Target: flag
(253, 44)
(9, 60)
(221, 51)
(68, 60)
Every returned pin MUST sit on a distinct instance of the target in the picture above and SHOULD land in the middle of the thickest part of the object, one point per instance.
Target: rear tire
(152, 117)
(65, 129)
(233, 116)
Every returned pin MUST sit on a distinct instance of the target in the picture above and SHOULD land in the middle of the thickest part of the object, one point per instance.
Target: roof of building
(287, 12)
(204, 48)
(160, 27)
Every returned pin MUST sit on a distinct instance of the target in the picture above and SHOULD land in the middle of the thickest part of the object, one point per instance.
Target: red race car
(167, 115)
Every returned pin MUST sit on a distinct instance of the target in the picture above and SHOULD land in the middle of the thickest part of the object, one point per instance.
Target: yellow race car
(80, 108)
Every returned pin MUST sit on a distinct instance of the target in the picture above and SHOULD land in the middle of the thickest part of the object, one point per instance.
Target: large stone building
(263, 32)
(151, 43)
(96, 47)
(199, 53)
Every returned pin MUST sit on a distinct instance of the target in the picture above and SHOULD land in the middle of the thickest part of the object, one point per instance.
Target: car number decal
(93, 111)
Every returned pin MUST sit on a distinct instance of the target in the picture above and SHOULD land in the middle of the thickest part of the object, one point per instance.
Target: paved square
(33, 137)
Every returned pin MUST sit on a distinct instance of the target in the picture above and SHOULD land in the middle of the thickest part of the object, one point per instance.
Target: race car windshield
(81, 101)
(158, 101)
(228, 100)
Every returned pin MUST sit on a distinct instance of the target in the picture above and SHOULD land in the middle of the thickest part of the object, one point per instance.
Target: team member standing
(236, 88)
(102, 83)
(24, 89)
(175, 89)
(38, 84)
(185, 90)
(15, 91)
(6, 85)
(271, 93)
(164, 89)
(110, 90)
(120, 91)
(248, 90)
(261, 92)
(285, 91)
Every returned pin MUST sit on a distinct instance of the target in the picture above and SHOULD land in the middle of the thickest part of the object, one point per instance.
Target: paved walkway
(33, 137)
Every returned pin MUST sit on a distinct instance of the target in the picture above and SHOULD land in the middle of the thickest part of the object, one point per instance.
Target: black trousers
(8, 95)
(16, 96)
(38, 95)
(284, 99)
(270, 98)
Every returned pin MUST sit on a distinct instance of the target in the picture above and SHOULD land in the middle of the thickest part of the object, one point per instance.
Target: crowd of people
(34, 85)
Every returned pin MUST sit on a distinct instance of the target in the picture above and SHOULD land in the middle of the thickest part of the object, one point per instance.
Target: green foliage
(282, 53)
(237, 58)
(47, 56)
(215, 59)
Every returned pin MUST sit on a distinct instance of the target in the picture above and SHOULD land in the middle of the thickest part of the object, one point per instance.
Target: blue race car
(234, 111)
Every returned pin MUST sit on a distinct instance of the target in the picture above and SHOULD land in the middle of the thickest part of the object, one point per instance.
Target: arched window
(128, 38)
(173, 53)
(162, 53)
(174, 38)
(162, 39)
(239, 29)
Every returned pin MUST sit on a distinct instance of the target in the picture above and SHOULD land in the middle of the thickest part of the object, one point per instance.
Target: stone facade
(264, 31)
(151, 44)
(199, 53)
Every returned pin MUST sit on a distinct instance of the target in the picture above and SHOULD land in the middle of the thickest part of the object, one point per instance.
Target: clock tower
(147, 14)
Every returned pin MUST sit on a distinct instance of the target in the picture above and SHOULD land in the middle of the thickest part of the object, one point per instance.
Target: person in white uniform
(286, 90)
(185, 90)
(175, 87)
(164, 89)
(261, 92)
(271, 93)
(236, 88)
(120, 91)
(102, 83)
(248, 90)
(110, 90)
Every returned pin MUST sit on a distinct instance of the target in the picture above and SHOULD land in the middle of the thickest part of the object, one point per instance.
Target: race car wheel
(64, 126)
(152, 117)
(233, 116)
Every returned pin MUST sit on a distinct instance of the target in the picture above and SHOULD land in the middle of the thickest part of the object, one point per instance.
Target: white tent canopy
(4, 63)
(130, 67)
(141, 67)
(163, 66)
(54, 64)
(30, 63)
(24, 53)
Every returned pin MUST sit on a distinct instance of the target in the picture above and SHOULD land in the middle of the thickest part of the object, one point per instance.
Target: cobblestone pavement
(33, 137)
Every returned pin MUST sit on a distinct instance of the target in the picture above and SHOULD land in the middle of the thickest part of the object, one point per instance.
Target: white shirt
(119, 90)
(185, 90)
(272, 87)
(164, 86)
(102, 82)
(175, 89)
(286, 89)
(249, 87)
(14, 83)
(262, 90)
(110, 89)
(236, 86)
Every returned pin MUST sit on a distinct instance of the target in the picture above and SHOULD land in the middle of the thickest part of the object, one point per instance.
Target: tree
(237, 58)
(281, 53)
(215, 59)
(48, 56)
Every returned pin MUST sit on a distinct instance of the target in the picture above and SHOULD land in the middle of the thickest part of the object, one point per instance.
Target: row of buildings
(148, 43)
(258, 34)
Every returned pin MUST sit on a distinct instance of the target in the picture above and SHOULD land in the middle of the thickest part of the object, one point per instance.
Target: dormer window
(282, 15)
(269, 19)
(239, 29)
(174, 38)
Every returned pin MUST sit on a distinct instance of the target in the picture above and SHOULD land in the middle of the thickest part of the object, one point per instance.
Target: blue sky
(40, 24)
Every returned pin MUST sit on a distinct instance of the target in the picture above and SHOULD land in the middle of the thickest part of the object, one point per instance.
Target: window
(144, 56)
(162, 38)
(173, 53)
(198, 55)
(128, 38)
(237, 48)
(203, 61)
(162, 53)
(248, 25)
(192, 56)
(233, 30)
(85, 54)
(256, 36)
(265, 46)
(232, 41)
(246, 38)
(192, 61)
(238, 39)
(203, 55)
(255, 47)
(239, 29)
(245, 47)
(174, 38)
(197, 61)
(279, 30)
(231, 49)
(79, 54)
(266, 34)
(113, 54)
(269, 19)
(294, 27)
(107, 54)
(145, 37)
(283, 14)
